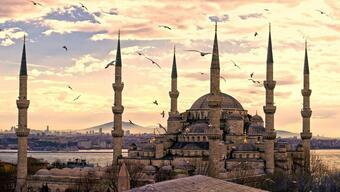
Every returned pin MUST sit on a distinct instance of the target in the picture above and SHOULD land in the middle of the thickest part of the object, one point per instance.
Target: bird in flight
(112, 63)
(155, 102)
(163, 114)
(139, 53)
(201, 52)
(131, 122)
(164, 26)
(83, 6)
(256, 34)
(202, 73)
(64, 47)
(266, 9)
(252, 80)
(235, 64)
(68, 86)
(7, 36)
(223, 79)
(153, 62)
(322, 12)
(36, 3)
(76, 98)
(161, 126)
(252, 75)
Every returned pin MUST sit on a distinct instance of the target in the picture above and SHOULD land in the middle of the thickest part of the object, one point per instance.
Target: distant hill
(286, 134)
(107, 127)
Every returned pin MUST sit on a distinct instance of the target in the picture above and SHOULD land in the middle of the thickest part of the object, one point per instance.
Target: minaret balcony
(306, 92)
(117, 133)
(214, 134)
(22, 132)
(23, 103)
(117, 109)
(269, 84)
(173, 94)
(269, 109)
(118, 86)
(306, 135)
(306, 112)
(269, 135)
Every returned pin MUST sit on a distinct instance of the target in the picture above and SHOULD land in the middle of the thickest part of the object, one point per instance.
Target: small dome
(56, 172)
(256, 118)
(42, 172)
(228, 102)
(149, 169)
(166, 168)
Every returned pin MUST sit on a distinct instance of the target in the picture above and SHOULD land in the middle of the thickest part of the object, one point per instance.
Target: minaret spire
(22, 131)
(306, 112)
(215, 67)
(117, 109)
(269, 110)
(174, 118)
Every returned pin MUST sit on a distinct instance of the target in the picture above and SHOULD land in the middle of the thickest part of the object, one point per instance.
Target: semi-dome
(228, 102)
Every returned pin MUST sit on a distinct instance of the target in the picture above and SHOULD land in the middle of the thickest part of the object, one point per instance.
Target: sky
(91, 37)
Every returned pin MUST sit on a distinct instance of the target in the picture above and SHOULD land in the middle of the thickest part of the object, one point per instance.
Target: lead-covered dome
(228, 102)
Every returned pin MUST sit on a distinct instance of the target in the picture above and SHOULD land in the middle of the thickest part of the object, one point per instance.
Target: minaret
(22, 131)
(117, 109)
(214, 102)
(269, 109)
(174, 118)
(306, 112)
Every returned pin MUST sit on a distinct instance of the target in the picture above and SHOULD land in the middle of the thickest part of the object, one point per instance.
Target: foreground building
(217, 136)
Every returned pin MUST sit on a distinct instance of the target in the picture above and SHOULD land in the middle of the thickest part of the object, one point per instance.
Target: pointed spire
(174, 67)
(118, 55)
(215, 63)
(306, 67)
(269, 50)
(23, 67)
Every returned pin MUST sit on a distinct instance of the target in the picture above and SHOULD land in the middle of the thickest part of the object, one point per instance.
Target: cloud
(251, 15)
(222, 18)
(86, 64)
(72, 13)
(7, 35)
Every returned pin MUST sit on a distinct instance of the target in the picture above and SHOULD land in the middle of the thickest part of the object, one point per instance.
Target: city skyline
(90, 36)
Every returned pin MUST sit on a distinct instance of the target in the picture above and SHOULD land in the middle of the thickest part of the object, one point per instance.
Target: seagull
(252, 80)
(76, 98)
(36, 3)
(266, 9)
(64, 47)
(7, 36)
(235, 64)
(131, 122)
(322, 12)
(251, 75)
(153, 62)
(68, 86)
(83, 6)
(202, 73)
(223, 79)
(161, 126)
(201, 53)
(164, 26)
(256, 34)
(112, 63)
(155, 102)
(163, 114)
(139, 53)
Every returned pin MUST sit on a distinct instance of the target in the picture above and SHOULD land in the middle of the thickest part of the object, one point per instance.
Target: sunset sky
(91, 35)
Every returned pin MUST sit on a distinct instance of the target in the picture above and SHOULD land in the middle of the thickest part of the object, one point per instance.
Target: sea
(103, 157)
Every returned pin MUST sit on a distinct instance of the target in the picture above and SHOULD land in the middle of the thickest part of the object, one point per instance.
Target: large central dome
(228, 102)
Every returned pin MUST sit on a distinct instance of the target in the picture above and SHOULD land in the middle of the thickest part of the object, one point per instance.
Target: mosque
(215, 137)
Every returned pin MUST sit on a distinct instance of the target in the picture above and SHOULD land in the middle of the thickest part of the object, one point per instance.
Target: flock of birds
(201, 53)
